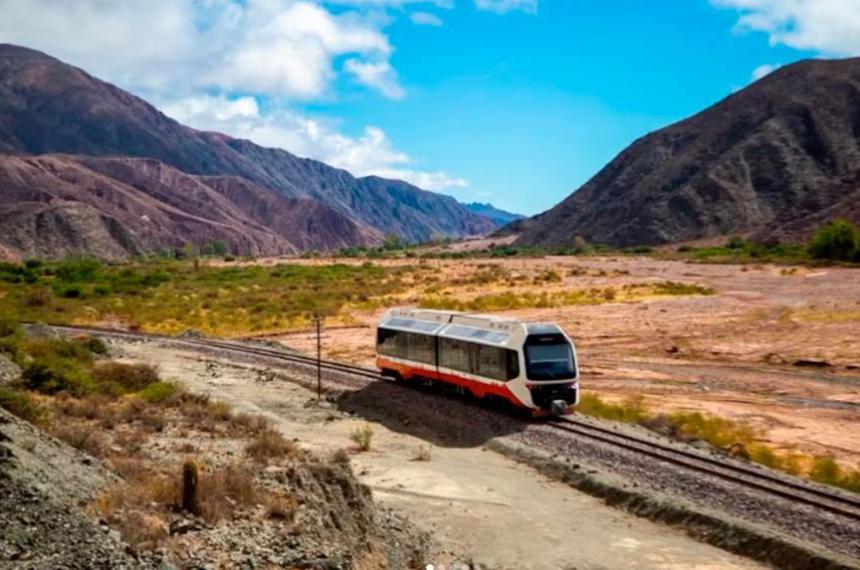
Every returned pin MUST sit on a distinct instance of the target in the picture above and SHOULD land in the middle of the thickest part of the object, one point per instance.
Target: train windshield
(549, 357)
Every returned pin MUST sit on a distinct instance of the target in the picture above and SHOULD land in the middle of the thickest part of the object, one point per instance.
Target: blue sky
(517, 102)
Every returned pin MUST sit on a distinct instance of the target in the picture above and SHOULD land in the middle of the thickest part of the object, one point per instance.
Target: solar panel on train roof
(412, 325)
(472, 333)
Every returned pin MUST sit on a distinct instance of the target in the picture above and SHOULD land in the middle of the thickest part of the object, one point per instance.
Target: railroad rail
(796, 491)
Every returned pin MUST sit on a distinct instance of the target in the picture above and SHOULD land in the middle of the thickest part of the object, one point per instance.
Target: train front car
(530, 365)
(551, 369)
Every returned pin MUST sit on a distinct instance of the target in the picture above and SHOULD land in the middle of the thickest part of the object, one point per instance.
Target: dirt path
(478, 505)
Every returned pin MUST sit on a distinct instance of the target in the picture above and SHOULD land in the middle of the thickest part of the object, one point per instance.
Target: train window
(406, 345)
(386, 342)
(549, 357)
(421, 348)
(454, 354)
(482, 360)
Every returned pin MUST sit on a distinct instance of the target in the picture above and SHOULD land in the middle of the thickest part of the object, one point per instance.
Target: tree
(580, 244)
(392, 242)
(839, 241)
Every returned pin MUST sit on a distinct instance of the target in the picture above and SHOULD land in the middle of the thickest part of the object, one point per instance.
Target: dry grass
(362, 437)
(122, 378)
(513, 299)
(225, 490)
(86, 437)
(423, 453)
(270, 445)
(282, 508)
(735, 438)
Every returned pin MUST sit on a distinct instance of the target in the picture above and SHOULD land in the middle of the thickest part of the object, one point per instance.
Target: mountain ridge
(784, 148)
(499, 216)
(51, 108)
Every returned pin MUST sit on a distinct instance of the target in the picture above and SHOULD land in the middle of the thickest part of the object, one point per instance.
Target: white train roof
(472, 327)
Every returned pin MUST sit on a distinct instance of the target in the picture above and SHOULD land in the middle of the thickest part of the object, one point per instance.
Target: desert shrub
(423, 453)
(270, 444)
(37, 297)
(77, 271)
(717, 431)
(87, 438)
(225, 490)
(21, 404)
(362, 437)
(121, 378)
(675, 288)
(250, 423)
(9, 327)
(839, 241)
(639, 249)
(53, 376)
(736, 242)
(95, 345)
(279, 507)
(580, 245)
(160, 392)
(631, 410)
(547, 276)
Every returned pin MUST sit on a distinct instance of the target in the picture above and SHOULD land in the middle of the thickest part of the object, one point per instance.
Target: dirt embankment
(62, 508)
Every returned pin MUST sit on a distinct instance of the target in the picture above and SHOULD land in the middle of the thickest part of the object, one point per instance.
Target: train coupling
(558, 407)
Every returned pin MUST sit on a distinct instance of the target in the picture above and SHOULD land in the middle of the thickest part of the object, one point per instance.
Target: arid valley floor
(776, 347)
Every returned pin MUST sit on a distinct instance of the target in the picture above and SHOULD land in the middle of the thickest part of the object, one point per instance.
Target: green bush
(159, 392)
(22, 405)
(119, 378)
(838, 241)
(54, 376)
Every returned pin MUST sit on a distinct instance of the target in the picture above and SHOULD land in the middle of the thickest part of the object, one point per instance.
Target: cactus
(190, 487)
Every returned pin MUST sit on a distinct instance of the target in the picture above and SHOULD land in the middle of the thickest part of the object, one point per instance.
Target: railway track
(796, 491)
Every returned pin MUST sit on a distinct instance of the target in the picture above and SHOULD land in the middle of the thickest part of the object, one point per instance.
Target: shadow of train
(435, 413)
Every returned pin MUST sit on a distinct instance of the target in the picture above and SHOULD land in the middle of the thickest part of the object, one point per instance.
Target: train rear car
(531, 365)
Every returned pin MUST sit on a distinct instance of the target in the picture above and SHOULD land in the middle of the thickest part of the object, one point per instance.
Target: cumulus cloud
(283, 48)
(505, 6)
(370, 153)
(425, 19)
(377, 74)
(831, 27)
(763, 70)
(236, 66)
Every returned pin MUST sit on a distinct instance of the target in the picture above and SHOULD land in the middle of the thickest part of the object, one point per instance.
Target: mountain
(499, 217)
(771, 161)
(64, 133)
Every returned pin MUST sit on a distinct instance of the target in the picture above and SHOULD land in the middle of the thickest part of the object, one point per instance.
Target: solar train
(530, 365)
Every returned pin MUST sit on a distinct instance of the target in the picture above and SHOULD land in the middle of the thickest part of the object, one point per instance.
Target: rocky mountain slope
(771, 161)
(500, 217)
(262, 200)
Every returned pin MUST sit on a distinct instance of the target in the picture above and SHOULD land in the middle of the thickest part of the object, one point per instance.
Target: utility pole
(318, 322)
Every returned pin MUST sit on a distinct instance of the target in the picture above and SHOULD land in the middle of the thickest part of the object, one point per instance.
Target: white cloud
(763, 70)
(282, 48)
(831, 27)
(236, 66)
(370, 153)
(377, 74)
(426, 19)
(505, 6)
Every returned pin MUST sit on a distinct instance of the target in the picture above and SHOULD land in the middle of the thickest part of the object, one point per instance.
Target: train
(532, 366)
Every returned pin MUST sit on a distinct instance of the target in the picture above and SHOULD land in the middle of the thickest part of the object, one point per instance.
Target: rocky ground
(43, 484)
(285, 507)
